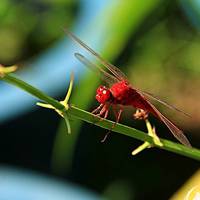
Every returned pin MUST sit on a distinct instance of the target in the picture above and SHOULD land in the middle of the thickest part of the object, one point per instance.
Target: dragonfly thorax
(103, 94)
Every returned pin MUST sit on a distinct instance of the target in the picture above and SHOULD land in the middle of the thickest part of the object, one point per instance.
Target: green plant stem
(134, 133)
(32, 90)
(107, 124)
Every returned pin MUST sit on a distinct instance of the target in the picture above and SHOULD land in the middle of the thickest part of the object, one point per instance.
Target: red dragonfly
(122, 93)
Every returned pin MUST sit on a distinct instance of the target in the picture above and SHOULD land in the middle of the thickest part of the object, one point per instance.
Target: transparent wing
(105, 76)
(178, 134)
(149, 95)
(114, 70)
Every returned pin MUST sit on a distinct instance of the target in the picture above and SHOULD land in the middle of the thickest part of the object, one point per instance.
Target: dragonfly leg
(115, 111)
(104, 112)
(98, 108)
(118, 116)
(95, 111)
(101, 111)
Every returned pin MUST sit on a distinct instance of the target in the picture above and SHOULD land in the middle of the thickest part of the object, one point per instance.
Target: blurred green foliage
(28, 27)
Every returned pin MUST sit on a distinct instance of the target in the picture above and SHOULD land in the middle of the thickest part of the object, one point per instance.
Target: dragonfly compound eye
(103, 94)
(101, 88)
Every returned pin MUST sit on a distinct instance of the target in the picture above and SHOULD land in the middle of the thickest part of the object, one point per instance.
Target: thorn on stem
(7, 70)
(62, 112)
(143, 115)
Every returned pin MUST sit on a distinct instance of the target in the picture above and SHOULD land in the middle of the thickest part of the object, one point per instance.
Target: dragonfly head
(103, 94)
